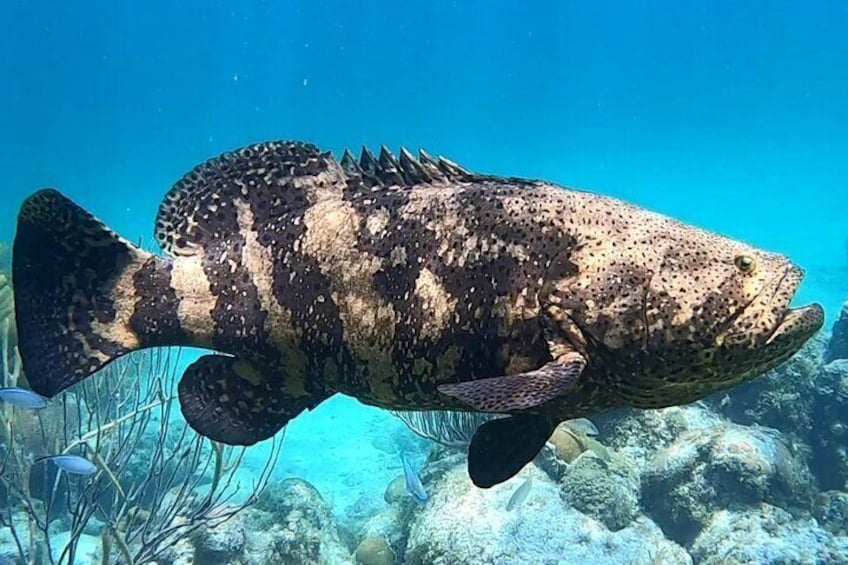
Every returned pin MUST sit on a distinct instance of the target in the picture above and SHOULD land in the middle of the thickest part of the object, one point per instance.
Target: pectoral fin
(228, 400)
(520, 391)
(501, 448)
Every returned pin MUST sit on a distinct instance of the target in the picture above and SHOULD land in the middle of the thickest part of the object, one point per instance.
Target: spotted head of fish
(668, 313)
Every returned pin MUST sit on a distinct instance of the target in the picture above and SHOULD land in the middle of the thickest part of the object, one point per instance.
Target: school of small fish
(28, 400)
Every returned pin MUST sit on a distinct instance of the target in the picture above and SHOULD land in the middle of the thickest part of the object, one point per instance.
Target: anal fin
(228, 400)
(520, 391)
(501, 448)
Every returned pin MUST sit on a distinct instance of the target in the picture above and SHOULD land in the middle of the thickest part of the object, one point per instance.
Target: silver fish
(519, 494)
(413, 482)
(23, 398)
(582, 425)
(73, 464)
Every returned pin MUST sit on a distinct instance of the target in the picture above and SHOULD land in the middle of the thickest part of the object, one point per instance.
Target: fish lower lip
(805, 320)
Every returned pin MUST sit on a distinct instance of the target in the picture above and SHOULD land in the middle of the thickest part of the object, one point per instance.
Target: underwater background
(728, 115)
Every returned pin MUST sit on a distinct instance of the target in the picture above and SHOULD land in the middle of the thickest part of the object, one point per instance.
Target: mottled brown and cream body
(409, 284)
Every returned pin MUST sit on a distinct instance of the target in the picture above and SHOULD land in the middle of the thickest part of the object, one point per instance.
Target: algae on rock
(766, 534)
(607, 490)
(729, 466)
(465, 525)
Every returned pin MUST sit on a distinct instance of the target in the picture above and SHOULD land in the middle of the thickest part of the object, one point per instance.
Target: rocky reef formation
(728, 466)
(467, 525)
(765, 534)
(837, 348)
(289, 525)
(805, 399)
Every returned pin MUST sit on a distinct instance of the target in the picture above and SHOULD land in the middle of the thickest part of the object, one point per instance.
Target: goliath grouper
(408, 283)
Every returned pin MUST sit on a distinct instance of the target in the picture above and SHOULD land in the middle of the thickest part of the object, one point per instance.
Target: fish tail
(83, 295)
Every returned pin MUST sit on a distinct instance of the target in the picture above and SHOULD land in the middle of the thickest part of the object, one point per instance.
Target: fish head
(671, 313)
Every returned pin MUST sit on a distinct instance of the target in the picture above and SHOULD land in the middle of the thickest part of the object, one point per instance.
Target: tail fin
(77, 289)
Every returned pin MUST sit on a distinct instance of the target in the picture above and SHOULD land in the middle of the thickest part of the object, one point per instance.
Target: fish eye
(745, 263)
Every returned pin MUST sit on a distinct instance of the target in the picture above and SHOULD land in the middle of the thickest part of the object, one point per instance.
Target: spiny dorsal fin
(349, 163)
(275, 177)
(387, 170)
(453, 170)
(430, 165)
(413, 171)
(367, 161)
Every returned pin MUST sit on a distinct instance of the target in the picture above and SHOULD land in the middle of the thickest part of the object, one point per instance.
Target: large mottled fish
(408, 283)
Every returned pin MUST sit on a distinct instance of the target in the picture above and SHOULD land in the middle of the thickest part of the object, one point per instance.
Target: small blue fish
(413, 483)
(519, 494)
(582, 425)
(23, 398)
(73, 464)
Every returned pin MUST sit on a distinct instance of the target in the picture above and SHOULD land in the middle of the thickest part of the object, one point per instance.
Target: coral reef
(829, 441)
(606, 489)
(384, 535)
(375, 550)
(766, 534)
(638, 434)
(837, 348)
(563, 447)
(831, 510)
(807, 400)
(395, 491)
(289, 524)
(293, 525)
(221, 544)
(727, 466)
(464, 525)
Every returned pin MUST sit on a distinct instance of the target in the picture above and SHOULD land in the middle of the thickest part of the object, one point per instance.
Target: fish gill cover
(474, 284)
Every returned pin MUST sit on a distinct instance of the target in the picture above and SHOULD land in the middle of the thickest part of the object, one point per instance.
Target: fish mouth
(793, 326)
(797, 324)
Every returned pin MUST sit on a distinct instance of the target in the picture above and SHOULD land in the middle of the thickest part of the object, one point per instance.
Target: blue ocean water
(728, 115)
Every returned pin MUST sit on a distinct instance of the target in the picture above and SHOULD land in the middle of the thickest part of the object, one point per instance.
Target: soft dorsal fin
(274, 178)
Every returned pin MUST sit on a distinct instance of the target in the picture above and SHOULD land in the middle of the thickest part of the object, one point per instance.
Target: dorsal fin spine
(349, 163)
(367, 161)
(389, 171)
(412, 169)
